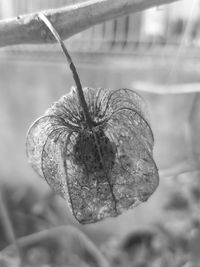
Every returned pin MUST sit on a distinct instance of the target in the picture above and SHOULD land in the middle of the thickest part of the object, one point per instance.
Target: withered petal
(37, 136)
(129, 174)
(53, 157)
(135, 174)
(127, 98)
(132, 180)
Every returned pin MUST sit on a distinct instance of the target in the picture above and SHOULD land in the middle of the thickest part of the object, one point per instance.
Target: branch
(166, 89)
(179, 168)
(28, 29)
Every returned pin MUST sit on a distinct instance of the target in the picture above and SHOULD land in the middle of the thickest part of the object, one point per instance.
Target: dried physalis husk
(102, 170)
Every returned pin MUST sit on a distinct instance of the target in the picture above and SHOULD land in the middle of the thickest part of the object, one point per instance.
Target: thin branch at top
(28, 29)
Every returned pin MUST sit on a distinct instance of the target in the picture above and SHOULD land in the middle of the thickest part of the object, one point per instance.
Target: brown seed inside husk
(94, 151)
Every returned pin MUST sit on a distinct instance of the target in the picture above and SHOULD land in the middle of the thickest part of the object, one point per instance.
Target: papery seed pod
(94, 148)
(100, 171)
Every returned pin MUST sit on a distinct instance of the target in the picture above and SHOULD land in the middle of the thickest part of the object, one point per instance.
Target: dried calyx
(94, 148)
(99, 152)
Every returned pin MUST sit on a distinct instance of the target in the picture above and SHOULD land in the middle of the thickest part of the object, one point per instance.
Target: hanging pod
(94, 148)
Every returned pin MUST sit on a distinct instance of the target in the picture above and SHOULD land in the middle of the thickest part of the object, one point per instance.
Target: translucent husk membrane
(102, 170)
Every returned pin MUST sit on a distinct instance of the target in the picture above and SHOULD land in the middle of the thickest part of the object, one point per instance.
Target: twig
(168, 89)
(180, 168)
(28, 29)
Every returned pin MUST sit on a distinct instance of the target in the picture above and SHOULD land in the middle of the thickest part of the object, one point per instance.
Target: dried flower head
(95, 152)
(103, 170)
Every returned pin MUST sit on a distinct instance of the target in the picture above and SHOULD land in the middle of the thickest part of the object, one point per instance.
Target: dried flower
(100, 171)
(98, 158)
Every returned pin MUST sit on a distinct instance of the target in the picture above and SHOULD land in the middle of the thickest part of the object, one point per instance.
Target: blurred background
(156, 53)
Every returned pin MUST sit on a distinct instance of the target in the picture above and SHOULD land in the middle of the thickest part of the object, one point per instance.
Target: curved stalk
(72, 67)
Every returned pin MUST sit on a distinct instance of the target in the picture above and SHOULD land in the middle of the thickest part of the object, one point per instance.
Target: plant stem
(72, 67)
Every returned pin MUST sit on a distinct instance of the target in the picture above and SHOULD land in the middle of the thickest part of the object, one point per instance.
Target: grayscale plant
(94, 148)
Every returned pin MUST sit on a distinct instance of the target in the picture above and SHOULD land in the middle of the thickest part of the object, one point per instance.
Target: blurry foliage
(173, 243)
(177, 201)
(178, 27)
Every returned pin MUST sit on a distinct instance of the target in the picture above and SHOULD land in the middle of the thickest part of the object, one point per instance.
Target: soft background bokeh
(156, 49)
